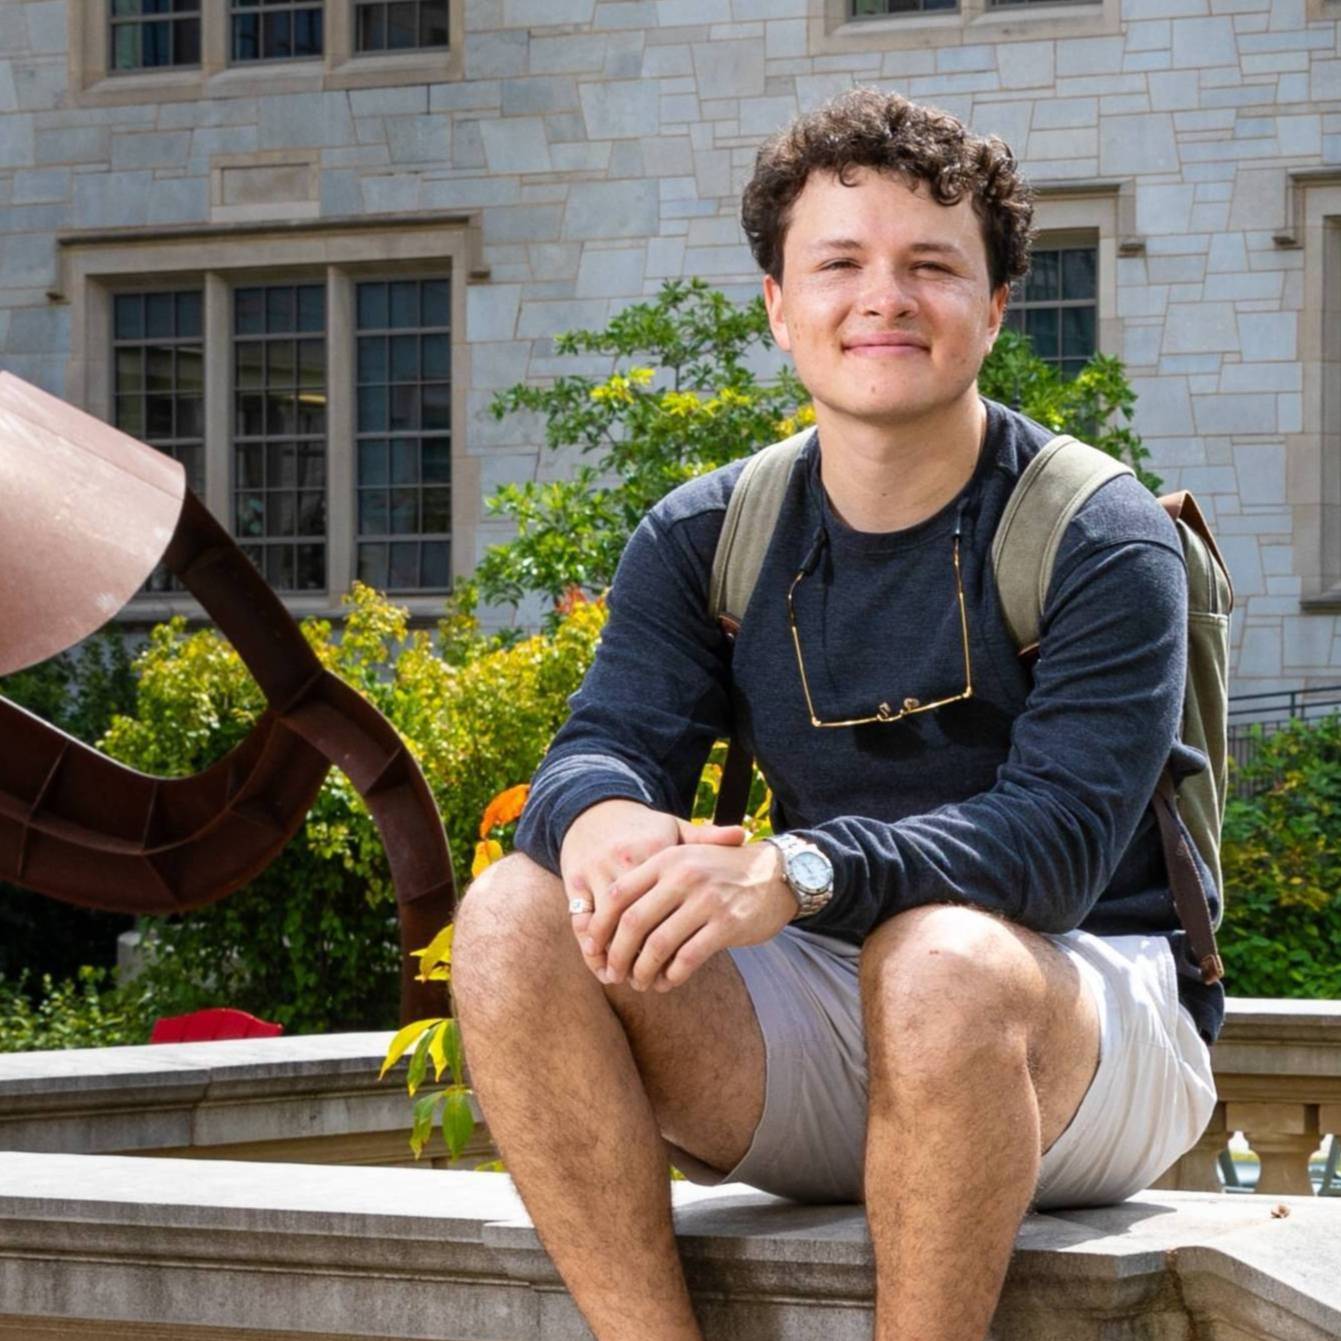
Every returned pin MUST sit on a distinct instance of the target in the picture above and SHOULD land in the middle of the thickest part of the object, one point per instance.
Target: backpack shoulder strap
(751, 514)
(1055, 484)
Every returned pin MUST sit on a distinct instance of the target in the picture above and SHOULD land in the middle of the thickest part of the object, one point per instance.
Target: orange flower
(504, 808)
(573, 596)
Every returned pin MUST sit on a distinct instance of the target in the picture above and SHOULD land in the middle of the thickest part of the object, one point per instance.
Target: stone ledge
(128, 1247)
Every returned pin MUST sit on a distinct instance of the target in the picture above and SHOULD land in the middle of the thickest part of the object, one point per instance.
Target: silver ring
(580, 906)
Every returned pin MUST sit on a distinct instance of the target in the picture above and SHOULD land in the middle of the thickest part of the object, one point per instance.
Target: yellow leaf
(438, 951)
(435, 1050)
(486, 853)
(403, 1039)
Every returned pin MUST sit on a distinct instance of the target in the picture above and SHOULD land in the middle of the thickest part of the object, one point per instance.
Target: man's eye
(833, 265)
(931, 265)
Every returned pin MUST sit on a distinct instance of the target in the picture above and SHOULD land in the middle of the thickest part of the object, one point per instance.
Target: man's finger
(616, 897)
(661, 944)
(691, 956)
(731, 834)
(643, 918)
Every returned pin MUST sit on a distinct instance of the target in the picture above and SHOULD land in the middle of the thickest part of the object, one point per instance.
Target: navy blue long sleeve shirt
(1029, 799)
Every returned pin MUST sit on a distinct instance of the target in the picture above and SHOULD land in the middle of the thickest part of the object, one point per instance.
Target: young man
(956, 988)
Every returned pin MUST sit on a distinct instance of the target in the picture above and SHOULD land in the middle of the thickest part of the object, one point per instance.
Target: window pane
(246, 37)
(130, 370)
(437, 353)
(1042, 328)
(128, 319)
(158, 368)
(279, 310)
(404, 408)
(373, 461)
(1078, 331)
(372, 409)
(1078, 273)
(372, 305)
(437, 460)
(372, 358)
(436, 558)
(307, 32)
(249, 311)
(311, 464)
(373, 565)
(312, 513)
(438, 405)
(437, 509)
(404, 461)
(404, 358)
(1041, 284)
(277, 35)
(404, 566)
(156, 44)
(312, 307)
(371, 28)
(433, 23)
(401, 25)
(404, 304)
(188, 315)
(190, 417)
(250, 463)
(372, 511)
(126, 46)
(158, 314)
(311, 567)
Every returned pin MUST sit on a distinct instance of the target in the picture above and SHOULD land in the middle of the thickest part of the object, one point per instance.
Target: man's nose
(888, 291)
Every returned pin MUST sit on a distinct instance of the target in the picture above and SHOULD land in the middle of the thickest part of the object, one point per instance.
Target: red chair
(206, 1026)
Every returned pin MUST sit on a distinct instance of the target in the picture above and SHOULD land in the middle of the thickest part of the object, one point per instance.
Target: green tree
(1282, 866)
(683, 400)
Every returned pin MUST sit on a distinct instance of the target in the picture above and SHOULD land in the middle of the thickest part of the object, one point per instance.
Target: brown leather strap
(1189, 897)
(733, 792)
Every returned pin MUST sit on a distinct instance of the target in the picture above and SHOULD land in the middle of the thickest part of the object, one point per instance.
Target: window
(279, 432)
(159, 383)
(404, 434)
(149, 33)
(861, 27)
(401, 26)
(266, 30)
(122, 52)
(304, 379)
(865, 9)
(1056, 306)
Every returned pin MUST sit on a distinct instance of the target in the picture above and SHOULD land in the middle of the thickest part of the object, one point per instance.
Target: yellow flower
(680, 403)
(504, 808)
(486, 853)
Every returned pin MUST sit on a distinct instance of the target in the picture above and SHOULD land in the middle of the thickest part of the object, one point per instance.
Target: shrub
(1282, 867)
(313, 942)
(81, 1012)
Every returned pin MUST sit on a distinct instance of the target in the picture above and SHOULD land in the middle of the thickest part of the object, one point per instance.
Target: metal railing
(1270, 711)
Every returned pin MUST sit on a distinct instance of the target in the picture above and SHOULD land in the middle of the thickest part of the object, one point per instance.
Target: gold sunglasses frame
(910, 706)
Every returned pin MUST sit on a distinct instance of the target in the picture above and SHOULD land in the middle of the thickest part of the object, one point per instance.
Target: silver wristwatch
(807, 871)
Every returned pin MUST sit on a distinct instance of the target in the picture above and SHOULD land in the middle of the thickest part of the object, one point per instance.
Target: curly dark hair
(863, 127)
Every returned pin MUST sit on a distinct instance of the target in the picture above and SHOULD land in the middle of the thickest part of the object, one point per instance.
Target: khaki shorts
(1149, 1102)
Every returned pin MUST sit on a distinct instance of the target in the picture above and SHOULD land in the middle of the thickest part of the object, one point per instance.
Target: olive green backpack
(1049, 493)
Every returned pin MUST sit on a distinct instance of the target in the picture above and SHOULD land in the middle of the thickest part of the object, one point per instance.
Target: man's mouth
(888, 345)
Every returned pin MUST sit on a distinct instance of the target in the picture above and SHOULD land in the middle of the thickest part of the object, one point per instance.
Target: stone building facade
(306, 274)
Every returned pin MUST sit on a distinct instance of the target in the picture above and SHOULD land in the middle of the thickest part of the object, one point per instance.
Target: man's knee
(943, 970)
(506, 924)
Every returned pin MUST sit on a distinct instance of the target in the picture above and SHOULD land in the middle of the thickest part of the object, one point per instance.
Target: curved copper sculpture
(85, 514)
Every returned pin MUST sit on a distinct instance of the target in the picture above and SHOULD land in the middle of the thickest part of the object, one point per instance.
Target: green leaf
(458, 1122)
(418, 1064)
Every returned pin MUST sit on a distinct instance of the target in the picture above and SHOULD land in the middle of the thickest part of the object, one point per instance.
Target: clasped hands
(667, 894)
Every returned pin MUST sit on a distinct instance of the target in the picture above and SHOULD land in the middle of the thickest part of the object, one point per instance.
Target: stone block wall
(599, 147)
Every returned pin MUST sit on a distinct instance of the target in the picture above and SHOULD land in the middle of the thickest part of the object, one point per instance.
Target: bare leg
(981, 1045)
(559, 1083)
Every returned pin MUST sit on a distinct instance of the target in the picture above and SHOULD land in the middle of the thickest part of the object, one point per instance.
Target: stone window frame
(92, 83)
(1313, 456)
(1098, 214)
(832, 32)
(96, 266)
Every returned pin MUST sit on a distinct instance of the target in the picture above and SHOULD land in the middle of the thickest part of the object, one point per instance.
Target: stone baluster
(1197, 1170)
(1283, 1136)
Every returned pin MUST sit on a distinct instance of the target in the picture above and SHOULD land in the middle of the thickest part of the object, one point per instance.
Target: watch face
(810, 871)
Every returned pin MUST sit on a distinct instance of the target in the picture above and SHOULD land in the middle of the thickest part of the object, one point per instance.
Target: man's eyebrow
(852, 244)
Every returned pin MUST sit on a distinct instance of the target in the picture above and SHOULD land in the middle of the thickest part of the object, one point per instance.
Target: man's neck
(880, 478)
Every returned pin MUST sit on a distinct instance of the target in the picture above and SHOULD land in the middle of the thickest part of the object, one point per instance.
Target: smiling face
(885, 302)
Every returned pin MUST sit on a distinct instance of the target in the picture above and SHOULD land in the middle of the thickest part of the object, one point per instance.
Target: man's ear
(997, 314)
(776, 320)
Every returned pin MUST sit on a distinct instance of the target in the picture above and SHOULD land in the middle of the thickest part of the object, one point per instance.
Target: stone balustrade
(317, 1099)
(109, 1248)
(1278, 1075)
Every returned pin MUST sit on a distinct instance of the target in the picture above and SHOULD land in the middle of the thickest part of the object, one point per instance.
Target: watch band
(808, 899)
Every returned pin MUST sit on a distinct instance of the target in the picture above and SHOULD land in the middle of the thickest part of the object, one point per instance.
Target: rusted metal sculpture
(85, 514)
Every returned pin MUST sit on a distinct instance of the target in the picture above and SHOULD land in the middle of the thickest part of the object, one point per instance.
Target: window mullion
(340, 431)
